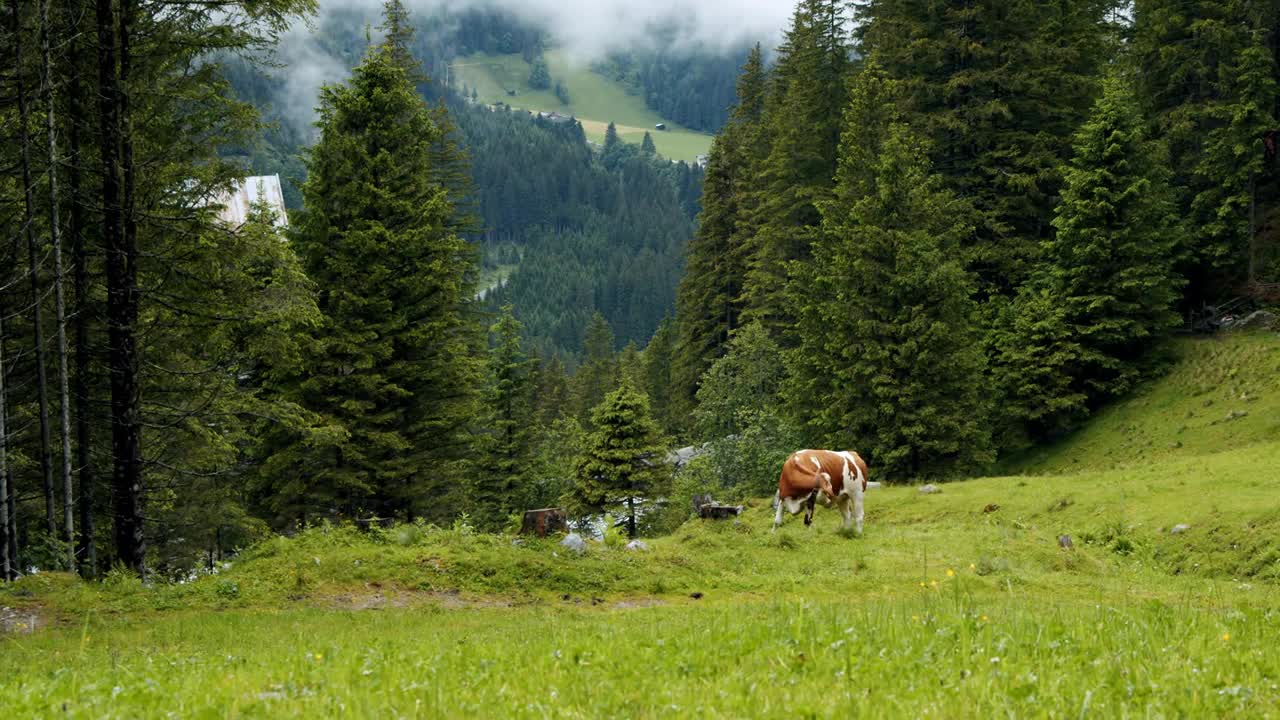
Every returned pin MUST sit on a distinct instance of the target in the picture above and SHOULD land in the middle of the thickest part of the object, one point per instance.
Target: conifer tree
(708, 301)
(1105, 292)
(393, 369)
(646, 145)
(997, 87)
(504, 480)
(1207, 75)
(598, 373)
(803, 120)
(887, 362)
(625, 457)
(656, 369)
(610, 137)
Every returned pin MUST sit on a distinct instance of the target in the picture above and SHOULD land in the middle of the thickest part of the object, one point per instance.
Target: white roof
(259, 188)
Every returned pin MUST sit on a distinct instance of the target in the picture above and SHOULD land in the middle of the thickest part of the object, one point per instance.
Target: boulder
(574, 543)
(1259, 319)
(637, 545)
(1179, 529)
(544, 522)
(715, 511)
(930, 489)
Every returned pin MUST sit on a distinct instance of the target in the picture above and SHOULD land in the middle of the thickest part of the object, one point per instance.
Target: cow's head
(824, 483)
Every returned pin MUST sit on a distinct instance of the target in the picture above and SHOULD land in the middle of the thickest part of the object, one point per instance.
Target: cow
(826, 476)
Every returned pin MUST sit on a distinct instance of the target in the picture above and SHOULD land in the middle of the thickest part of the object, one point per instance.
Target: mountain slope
(593, 99)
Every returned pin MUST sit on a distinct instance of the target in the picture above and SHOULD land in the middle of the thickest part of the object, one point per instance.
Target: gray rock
(1258, 319)
(1064, 542)
(930, 489)
(1179, 529)
(574, 543)
(637, 545)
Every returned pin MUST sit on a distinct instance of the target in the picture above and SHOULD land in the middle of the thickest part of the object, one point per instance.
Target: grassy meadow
(955, 604)
(593, 99)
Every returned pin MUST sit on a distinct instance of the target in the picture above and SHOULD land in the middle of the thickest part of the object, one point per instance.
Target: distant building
(259, 188)
(661, 126)
(702, 160)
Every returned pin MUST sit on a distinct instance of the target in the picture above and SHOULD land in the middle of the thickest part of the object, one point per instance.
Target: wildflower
(922, 583)
(1226, 636)
(915, 618)
(951, 573)
(972, 566)
(984, 618)
(319, 657)
(933, 583)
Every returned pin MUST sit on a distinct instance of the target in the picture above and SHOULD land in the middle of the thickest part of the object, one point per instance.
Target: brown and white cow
(826, 476)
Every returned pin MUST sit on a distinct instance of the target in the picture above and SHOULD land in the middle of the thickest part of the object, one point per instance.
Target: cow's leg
(808, 508)
(777, 516)
(857, 505)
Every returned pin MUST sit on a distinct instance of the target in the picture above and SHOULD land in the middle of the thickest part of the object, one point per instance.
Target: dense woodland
(938, 234)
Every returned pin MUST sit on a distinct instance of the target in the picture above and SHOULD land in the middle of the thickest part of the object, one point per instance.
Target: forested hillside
(562, 231)
(961, 228)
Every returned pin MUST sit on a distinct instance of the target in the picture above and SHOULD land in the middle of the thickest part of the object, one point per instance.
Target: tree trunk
(42, 381)
(119, 232)
(59, 303)
(631, 522)
(87, 549)
(5, 562)
(12, 502)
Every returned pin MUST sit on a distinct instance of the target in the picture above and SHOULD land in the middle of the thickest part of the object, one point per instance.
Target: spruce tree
(1207, 75)
(598, 373)
(393, 368)
(803, 119)
(624, 459)
(656, 368)
(646, 145)
(997, 87)
(505, 479)
(887, 361)
(708, 300)
(1107, 286)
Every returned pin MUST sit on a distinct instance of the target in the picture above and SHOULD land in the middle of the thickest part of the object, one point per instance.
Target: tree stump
(544, 521)
(715, 511)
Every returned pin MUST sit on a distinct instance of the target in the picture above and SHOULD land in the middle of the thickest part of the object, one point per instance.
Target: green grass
(941, 608)
(594, 100)
(1222, 393)
(944, 654)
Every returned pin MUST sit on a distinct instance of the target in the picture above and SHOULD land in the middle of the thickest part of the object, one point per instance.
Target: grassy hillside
(593, 99)
(955, 604)
(1223, 392)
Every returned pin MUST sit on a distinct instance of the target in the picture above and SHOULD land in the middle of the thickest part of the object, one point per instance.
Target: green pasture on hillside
(954, 604)
(593, 99)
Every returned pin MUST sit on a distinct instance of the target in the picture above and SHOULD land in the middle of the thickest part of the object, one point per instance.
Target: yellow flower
(933, 583)
(972, 566)
(915, 618)
(951, 573)
(1226, 636)
(319, 657)
(921, 583)
(984, 618)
